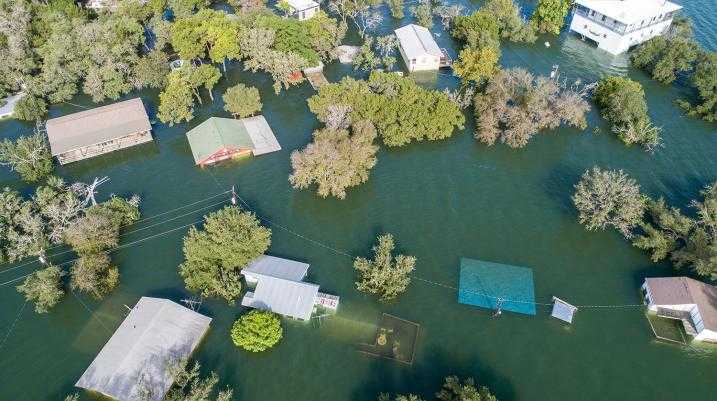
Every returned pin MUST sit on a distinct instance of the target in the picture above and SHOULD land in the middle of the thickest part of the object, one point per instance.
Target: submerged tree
(242, 101)
(608, 198)
(93, 274)
(476, 65)
(396, 7)
(215, 255)
(335, 160)
(704, 79)
(386, 275)
(43, 288)
(549, 15)
(29, 156)
(665, 56)
(187, 385)
(467, 390)
(423, 13)
(257, 331)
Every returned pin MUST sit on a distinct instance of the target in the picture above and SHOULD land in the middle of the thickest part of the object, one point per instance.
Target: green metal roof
(216, 133)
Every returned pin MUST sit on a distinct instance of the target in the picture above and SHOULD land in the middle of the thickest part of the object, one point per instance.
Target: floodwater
(443, 200)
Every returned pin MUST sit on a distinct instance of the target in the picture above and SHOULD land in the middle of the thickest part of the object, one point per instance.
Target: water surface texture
(442, 201)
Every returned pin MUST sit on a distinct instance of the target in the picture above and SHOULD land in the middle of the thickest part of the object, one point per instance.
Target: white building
(302, 9)
(280, 288)
(418, 49)
(682, 298)
(617, 25)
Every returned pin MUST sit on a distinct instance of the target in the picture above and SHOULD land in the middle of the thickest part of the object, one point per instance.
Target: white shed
(418, 49)
(303, 9)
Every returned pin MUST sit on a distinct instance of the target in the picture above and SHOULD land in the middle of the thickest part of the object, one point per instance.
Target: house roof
(300, 5)
(97, 125)
(417, 41)
(630, 11)
(285, 297)
(216, 133)
(686, 291)
(154, 333)
(287, 269)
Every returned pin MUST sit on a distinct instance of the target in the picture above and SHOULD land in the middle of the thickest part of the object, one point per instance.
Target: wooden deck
(316, 79)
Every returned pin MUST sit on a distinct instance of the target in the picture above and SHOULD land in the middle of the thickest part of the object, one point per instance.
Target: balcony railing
(616, 26)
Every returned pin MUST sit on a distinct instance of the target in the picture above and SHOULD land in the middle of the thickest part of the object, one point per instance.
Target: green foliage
(455, 390)
(549, 15)
(43, 288)
(476, 65)
(30, 108)
(622, 102)
(242, 101)
(151, 70)
(92, 233)
(28, 155)
(386, 275)
(511, 24)
(399, 397)
(423, 13)
(175, 102)
(185, 8)
(366, 59)
(291, 36)
(478, 30)
(608, 198)
(187, 385)
(704, 79)
(667, 55)
(396, 7)
(400, 110)
(93, 274)
(257, 331)
(214, 256)
(208, 33)
(335, 160)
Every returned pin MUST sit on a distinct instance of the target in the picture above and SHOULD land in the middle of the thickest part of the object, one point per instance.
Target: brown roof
(684, 290)
(97, 125)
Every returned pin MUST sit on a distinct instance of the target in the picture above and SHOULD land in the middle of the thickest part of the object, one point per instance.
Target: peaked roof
(630, 11)
(300, 5)
(216, 133)
(154, 333)
(417, 41)
(285, 297)
(287, 269)
(686, 291)
(97, 125)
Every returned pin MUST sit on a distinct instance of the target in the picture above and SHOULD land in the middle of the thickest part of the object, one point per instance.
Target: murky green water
(443, 201)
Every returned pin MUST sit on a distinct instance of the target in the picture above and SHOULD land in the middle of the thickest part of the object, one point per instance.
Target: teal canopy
(490, 285)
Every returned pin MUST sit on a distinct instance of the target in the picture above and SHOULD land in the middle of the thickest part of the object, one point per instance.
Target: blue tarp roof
(482, 283)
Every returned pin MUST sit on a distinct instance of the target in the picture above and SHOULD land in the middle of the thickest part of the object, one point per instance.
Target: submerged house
(692, 302)
(302, 9)
(617, 25)
(218, 139)
(98, 131)
(136, 359)
(419, 50)
(280, 288)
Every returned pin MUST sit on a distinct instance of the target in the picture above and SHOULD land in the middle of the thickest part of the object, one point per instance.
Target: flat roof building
(156, 333)
(617, 25)
(303, 9)
(98, 131)
(419, 50)
(218, 139)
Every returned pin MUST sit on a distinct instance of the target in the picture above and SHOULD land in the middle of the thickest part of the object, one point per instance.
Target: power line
(12, 326)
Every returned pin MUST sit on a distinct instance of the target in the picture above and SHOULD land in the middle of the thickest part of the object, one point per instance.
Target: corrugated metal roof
(417, 41)
(217, 133)
(156, 332)
(278, 267)
(285, 297)
(261, 135)
(97, 125)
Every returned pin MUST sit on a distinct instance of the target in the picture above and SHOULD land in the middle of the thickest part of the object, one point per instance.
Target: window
(413, 61)
(592, 13)
(604, 18)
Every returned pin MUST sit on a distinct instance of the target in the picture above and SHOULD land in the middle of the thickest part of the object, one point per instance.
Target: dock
(315, 76)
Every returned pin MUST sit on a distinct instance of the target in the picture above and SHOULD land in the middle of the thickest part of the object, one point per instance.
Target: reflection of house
(280, 289)
(218, 139)
(418, 49)
(155, 333)
(98, 131)
(685, 299)
(616, 25)
(302, 9)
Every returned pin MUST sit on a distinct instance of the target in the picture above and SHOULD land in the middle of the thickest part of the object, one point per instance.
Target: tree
(622, 102)
(284, 7)
(43, 288)
(93, 274)
(448, 14)
(175, 101)
(608, 198)
(396, 7)
(399, 397)
(214, 256)
(423, 13)
(151, 70)
(515, 106)
(386, 275)
(91, 234)
(667, 55)
(30, 108)
(29, 156)
(366, 59)
(549, 15)
(242, 101)
(187, 385)
(478, 30)
(704, 79)
(335, 160)
(476, 65)
(511, 24)
(455, 390)
(257, 331)
(385, 47)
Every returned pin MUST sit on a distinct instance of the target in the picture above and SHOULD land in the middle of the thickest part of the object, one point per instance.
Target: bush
(242, 101)
(257, 331)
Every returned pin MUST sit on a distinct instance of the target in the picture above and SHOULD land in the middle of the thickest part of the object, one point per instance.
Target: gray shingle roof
(156, 332)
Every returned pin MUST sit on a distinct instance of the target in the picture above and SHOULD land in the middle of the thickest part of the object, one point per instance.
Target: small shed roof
(630, 11)
(278, 267)
(94, 126)
(154, 333)
(300, 5)
(285, 297)
(417, 41)
(494, 285)
(563, 310)
(216, 133)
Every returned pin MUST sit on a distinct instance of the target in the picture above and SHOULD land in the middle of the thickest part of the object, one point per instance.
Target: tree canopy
(665, 56)
(28, 155)
(43, 288)
(549, 15)
(187, 385)
(704, 79)
(257, 331)
(215, 255)
(242, 101)
(385, 275)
